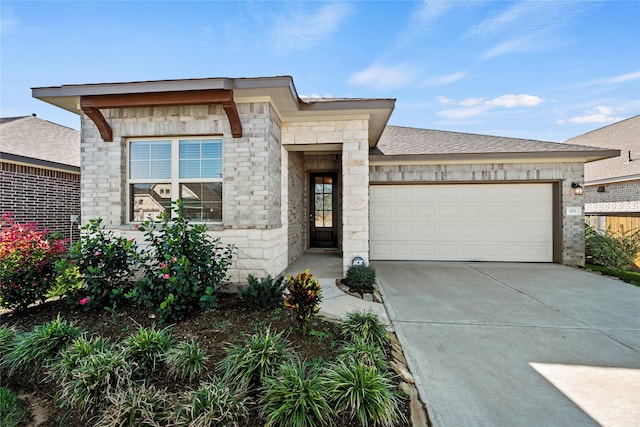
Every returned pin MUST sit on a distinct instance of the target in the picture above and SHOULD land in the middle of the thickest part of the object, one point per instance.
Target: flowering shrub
(106, 262)
(184, 267)
(27, 263)
(303, 297)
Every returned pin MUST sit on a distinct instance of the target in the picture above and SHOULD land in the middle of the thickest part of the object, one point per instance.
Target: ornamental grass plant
(365, 326)
(187, 359)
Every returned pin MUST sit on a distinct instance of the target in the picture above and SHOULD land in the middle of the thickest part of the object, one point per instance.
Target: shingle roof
(624, 136)
(32, 138)
(405, 141)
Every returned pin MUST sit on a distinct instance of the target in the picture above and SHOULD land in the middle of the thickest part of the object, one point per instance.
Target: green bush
(365, 392)
(365, 326)
(361, 278)
(214, 403)
(609, 250)
(303, 297)
(184, 266)
(68, 280)
(7, 341)
(297, 397)
(13, 411)
(186, 360)
(96, 376)
(107, 262)
(35, 350)
(367, 353)
(142, 406)
(63, 367)
(27, 263)
(262, 294)
(248, 364)
(147, 347)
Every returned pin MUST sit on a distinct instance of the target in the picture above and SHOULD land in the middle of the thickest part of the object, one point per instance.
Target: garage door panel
(485, 222)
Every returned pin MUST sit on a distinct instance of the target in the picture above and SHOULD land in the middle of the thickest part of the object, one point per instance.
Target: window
(162, 171)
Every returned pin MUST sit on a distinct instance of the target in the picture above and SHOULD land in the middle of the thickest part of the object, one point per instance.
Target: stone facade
(252, 183)
(618, 197)
(572, 226)
(45, 196)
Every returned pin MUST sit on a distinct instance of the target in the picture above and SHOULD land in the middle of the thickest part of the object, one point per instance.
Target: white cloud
(510, 101)
(471, 107)
(503, 20)
(445, 101)
(445, 80)
(625, 77)
(384, 77)
(521, 44)
(471, 102)
(599, 114)
(299, 31)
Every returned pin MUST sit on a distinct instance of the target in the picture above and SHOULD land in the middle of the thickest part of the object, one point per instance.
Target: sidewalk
(327, 267)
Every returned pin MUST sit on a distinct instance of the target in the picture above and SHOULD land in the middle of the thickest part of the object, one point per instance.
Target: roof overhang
(497, 157)
(279, 91)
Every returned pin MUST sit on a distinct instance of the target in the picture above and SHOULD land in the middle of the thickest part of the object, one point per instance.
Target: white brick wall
(618, 197)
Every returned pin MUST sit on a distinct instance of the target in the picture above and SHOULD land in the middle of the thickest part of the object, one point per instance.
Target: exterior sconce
(577, 188)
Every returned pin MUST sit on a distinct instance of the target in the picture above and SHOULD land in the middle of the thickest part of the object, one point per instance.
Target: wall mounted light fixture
(577, 188)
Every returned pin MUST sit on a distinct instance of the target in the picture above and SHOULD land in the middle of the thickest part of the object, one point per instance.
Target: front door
(323, 218)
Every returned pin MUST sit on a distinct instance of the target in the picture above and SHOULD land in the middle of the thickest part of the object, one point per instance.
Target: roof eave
(585, 156)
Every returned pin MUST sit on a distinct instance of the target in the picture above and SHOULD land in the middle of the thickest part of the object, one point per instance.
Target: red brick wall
(46, 196)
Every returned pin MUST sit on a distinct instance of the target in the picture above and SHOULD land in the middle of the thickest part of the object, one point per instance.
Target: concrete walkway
(511, 344)
(327, 267)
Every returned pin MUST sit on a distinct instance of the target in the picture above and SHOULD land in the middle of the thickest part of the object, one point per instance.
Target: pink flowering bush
(27, 263)
(107, 264)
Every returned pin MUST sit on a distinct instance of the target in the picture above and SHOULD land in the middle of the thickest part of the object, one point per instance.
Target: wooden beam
(91, 105)
(101, 123)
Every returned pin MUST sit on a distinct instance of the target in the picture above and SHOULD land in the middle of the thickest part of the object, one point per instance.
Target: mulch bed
(214, 329)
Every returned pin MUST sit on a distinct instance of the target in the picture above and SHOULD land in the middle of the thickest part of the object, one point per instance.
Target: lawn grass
(625, 275)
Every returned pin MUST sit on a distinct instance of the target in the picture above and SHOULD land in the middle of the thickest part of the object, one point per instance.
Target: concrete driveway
(514, 344)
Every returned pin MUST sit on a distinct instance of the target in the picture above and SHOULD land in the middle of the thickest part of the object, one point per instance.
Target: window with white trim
(164, 170)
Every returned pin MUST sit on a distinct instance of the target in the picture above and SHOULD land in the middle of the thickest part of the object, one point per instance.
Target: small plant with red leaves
(303, 296)
(27, 262)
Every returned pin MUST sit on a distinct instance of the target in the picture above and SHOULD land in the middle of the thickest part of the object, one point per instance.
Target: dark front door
(323, 218)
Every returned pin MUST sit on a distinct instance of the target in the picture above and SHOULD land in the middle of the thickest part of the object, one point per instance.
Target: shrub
(184, 266)
(13, 411)
(365, 392)
(27, 263)
(96, 376)
(146, 348)
(303, 297)
(186, 360)
(262, 294)
(62, 369)
(107, 263)
(366, 326)
(141, 406)
(68, 280)
(35, 350)
(214, 403)
(609, 250)
(297, 397)
(361, 278)
(250, 363)
(369, 354)
(7, 341)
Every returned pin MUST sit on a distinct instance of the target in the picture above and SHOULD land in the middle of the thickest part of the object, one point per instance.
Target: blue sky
(542, 70)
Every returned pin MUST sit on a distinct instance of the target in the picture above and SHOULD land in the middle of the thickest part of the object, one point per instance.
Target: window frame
(175, 179)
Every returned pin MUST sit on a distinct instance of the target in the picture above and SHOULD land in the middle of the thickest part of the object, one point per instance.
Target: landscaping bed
(215, 330)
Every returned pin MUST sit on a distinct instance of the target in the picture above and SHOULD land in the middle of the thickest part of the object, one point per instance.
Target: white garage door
(462, 222)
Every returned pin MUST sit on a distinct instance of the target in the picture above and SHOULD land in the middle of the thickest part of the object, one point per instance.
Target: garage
(462, 222)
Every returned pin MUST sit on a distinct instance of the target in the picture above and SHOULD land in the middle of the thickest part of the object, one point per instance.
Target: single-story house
(612, 186)
(40, 173)
(278, 175)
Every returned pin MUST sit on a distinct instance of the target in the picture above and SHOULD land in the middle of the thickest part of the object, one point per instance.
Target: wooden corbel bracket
(91, 105)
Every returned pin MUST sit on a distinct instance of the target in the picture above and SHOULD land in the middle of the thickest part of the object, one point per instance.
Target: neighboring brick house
(612, 186)
(278, 175)
(40, 173)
